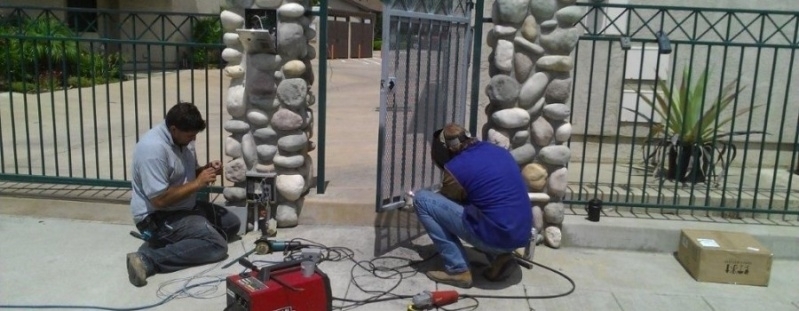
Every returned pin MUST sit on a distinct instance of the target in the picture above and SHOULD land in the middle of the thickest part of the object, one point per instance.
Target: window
(82, 21)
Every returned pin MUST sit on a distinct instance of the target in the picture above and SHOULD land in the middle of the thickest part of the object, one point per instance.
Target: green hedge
(42, 54)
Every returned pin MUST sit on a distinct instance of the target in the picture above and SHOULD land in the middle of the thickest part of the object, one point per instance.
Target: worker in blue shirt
(483, 200)
(181, 232)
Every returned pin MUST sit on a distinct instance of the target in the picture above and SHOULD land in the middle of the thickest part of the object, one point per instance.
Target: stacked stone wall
(530, 67)
(269, 100)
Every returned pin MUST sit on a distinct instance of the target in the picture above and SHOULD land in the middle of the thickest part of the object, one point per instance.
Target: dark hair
(185, 117)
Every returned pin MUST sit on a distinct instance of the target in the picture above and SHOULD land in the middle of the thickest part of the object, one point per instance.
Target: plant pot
(686, 163)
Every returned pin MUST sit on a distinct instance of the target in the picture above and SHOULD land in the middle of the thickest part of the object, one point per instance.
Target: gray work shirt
(158, 163)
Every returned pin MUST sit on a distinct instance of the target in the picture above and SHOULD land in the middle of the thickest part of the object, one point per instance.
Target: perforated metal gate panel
(426, 55)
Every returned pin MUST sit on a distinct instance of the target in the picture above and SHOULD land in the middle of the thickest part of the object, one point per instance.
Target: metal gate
(426, 49)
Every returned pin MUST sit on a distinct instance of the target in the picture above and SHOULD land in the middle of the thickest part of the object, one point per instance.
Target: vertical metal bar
(735, 100)
(450, 76)
(162, 18)
(435, 117)
(687, 81)
(415, 124)
(150, 84)
(322, 91)
(94, 110)
(699, 135)
(571, 120)
(763, 139)
(393, 128)
(405, 106)
(665, 154)
(749, 120)
(716, 120)
(136, 80)
(67, 115)
(81, 122)
(37, 84)
(644, 186)
(122, 107)
(732, 123)
(588, 109)
(12, 116)
(107, 77)
(221, 113)
(26, 115)
(602, 128)
(415, 101)
(7, 70)
(51, 87)
(476, 57)
(796, 124)
(385, 51)
(696, 154)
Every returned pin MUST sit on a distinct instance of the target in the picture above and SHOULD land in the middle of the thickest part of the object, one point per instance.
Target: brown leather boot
(462, 280)
(500, 268)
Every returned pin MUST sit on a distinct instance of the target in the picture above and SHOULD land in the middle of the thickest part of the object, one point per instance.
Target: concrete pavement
(55, 261)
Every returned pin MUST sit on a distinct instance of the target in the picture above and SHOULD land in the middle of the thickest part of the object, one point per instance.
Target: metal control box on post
(261, 196)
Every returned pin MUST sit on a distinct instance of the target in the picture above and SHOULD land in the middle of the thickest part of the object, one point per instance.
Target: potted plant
(689, 138)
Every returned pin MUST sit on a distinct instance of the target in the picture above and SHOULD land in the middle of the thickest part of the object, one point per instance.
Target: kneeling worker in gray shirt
(180, 231)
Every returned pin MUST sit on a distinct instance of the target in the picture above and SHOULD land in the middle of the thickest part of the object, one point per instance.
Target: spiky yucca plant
(690, 134)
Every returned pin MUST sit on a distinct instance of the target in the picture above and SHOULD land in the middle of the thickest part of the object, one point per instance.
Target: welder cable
(373, 269)
(207, 288)
(163, 301)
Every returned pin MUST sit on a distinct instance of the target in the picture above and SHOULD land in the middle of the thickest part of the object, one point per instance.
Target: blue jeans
(443, 220)
(184, 239)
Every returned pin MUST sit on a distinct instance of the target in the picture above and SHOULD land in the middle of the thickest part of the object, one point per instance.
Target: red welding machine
(281, 287)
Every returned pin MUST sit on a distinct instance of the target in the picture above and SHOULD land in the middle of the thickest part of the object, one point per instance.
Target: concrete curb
(615, 233)
(660, 235)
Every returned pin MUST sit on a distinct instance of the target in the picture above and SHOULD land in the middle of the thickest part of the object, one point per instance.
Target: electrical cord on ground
(163, 301)
(334, 254)
(206, 288)
(385, 272)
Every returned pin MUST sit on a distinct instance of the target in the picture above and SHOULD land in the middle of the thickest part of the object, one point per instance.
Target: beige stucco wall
(147, 27)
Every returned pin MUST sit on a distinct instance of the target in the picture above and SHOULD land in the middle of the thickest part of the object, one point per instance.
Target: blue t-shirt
(158, 163)
(497, 206)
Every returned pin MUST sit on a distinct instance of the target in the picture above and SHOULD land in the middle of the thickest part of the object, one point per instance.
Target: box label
(708, 243)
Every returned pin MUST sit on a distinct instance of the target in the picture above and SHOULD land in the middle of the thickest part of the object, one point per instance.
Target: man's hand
(216, 165)
(207, 176)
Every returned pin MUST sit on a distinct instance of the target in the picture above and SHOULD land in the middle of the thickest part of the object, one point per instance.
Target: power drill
(428, 300)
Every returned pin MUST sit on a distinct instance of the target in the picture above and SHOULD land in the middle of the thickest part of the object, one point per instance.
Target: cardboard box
(724, 257)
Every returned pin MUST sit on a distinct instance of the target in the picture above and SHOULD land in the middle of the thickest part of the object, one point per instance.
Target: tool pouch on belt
(148, 227)
(155, 227)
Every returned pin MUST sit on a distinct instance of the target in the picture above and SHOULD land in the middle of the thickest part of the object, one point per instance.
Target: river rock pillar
(269, 100)
(530, 66)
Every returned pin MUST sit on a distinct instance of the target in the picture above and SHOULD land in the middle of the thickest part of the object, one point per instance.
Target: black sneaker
(137, 270)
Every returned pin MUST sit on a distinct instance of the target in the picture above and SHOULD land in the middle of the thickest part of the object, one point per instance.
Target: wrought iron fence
(728, 148)
(87, 83)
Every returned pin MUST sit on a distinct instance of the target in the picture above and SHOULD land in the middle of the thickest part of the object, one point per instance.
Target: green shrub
(41, 55)
(377, 45)
(206, 31)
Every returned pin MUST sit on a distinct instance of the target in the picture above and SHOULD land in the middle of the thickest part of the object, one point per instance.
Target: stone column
(530, 68)
(269, 101)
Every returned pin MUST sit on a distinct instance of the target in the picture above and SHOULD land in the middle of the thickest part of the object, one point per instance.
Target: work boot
(462, 280)
(137, 270)
(500, 268)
